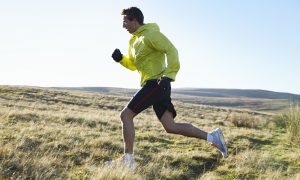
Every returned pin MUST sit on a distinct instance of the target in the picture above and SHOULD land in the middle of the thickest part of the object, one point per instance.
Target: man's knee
(171, 129)
(126, 115)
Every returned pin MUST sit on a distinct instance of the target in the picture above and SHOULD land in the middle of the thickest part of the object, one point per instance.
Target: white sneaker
(127, 160)
(219, 142)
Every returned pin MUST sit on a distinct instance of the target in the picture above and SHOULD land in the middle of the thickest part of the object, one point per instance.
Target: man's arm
(123, 60)
(128, 63)
(161, 43)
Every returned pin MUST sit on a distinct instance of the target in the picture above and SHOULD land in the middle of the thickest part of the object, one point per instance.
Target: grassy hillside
(52, 134)
(256, 100)
(243, 93)
(203, 92)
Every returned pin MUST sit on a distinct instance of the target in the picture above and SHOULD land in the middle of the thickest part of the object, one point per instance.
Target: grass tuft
(245, 120)
(108, 173)
(292, 120)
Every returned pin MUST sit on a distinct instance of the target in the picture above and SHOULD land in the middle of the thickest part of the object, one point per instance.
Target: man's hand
(117, 55)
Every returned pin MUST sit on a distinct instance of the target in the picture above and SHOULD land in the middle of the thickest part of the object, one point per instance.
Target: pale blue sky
(249, 44)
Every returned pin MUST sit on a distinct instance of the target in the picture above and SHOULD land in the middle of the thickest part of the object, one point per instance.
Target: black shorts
(152, 94)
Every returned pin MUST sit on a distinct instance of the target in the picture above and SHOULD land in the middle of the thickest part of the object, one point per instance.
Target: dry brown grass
(292, 123)
(46, 134)
(247, 120)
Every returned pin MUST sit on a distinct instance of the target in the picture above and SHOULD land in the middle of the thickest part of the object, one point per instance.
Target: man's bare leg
(184, 129)
(128, 129)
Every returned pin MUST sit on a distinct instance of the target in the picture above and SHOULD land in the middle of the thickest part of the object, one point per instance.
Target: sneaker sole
(221, 137)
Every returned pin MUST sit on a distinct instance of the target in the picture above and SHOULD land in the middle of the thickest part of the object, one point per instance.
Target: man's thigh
(164, 105)
(150, 94)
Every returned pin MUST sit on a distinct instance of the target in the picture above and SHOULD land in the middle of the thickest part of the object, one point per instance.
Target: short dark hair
(134, 13)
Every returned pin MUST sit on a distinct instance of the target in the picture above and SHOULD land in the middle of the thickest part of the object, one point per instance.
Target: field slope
(59, 134)
(256, 100)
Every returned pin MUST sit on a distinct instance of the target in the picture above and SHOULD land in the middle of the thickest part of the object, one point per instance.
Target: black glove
(117, 55)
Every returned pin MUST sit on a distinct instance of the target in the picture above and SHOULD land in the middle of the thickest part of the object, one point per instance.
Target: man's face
(130, 26)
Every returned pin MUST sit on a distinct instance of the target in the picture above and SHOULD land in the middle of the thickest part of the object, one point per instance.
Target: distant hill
(102, 90)
(249, 93)
(256, 100)
(224, 93)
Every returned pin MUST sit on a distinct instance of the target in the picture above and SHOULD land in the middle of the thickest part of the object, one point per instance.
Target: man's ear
(134, 19)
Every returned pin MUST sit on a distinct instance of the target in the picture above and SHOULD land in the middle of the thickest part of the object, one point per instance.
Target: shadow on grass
(195, 166)
(259, 142)
(236, 144)
(154, 138)
(189, 167)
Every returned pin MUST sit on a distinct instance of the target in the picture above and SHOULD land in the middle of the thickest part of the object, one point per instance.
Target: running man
(156, 59)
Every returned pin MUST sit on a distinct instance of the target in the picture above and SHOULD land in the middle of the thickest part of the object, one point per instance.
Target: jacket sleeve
(161, 43)
(128, 63)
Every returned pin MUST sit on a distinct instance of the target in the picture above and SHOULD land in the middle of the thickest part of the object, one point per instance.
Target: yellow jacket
(146, 54)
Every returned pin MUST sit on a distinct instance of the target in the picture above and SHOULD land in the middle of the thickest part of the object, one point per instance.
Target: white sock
(128, 156)
(210, 138)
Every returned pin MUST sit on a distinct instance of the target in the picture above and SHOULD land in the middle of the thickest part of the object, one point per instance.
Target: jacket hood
(146, 27)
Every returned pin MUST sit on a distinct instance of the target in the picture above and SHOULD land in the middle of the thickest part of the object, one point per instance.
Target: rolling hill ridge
(255, 100)
(204, 92)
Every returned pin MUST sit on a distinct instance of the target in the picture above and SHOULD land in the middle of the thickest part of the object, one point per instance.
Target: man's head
(133, 18)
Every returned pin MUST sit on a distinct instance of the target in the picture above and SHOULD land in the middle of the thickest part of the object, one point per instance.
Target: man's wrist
(119, 59)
